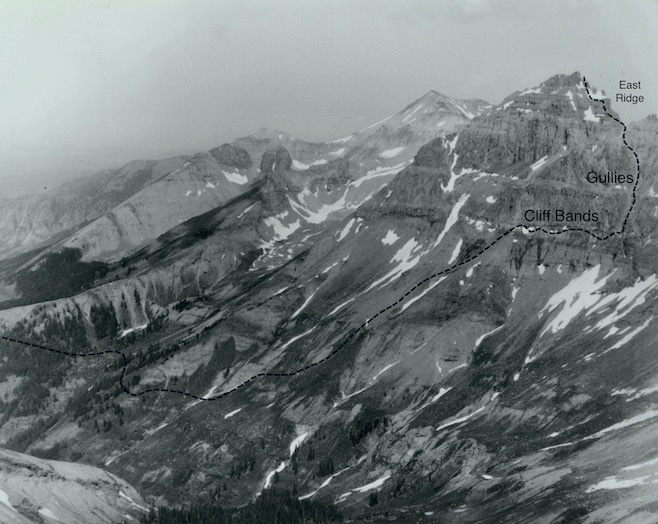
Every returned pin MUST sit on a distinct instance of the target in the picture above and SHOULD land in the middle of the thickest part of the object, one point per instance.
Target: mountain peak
(567, 95)
(430, 96)
(272, 134)
(433, 111)
(434, 99)
(574, 80)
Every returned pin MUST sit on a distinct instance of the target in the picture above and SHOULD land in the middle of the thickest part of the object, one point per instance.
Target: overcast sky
(101, 82)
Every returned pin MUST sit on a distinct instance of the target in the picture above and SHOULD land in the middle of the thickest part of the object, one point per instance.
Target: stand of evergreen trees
(104, 320)
(59, 275)
(272, 507)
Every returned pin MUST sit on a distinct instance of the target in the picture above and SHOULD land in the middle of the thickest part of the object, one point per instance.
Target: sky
(89, 84)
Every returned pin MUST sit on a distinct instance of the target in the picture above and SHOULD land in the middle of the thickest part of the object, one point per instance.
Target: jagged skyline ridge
(174, 78)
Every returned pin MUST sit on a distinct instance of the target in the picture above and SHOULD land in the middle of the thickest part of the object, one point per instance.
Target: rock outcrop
(34, 490)
(232, 156)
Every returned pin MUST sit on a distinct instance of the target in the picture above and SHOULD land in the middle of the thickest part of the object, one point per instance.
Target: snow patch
(49, 514)
(390, 238)
(281, 230)
(577, 296)
(407, 258)
(247, 210)
(329, 268)
(455, 252)
(647, 415)
(342, 140)
(367, 487)
(323, 485)
(124, 496)
(452, 218)
(390, 153)
(270, 475)
(4, 499)
(385, 368)
(460, 419)
(236, 178)
(341, 306)
(481, 338)
(127, 331)
(303, 305)
(450, 186)
(410, 302)
(634, 467)
(590, 116)
(628, 299)
(469, 273)
(293, 339)
(452, 143)
(532, 90)
(373, 485)
(441, 392)
(231, 413)
(538, 163)
(300, 166)
(410, 114)
(620, 483)
(570, 97)
(626, 339)
(379, 172)
(297, 442)
(345, 231)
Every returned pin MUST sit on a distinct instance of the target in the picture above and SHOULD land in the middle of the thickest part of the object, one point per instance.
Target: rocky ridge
(494, 389)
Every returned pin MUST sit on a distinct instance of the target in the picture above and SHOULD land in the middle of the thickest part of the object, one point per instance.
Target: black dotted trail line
(637, 159)
(359, 329)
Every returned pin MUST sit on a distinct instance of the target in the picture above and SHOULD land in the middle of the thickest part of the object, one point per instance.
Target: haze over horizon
(88, 85)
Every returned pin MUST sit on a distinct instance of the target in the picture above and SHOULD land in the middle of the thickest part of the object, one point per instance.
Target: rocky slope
(31, 221)
(34, 490)
(425, 344)
(134, 205)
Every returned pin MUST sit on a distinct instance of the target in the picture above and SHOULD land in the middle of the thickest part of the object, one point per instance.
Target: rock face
(432, 154)
(274, 159)
(402, 327)
(35, 490)
(232, 156)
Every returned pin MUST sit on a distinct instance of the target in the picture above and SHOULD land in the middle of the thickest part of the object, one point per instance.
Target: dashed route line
(355, 331)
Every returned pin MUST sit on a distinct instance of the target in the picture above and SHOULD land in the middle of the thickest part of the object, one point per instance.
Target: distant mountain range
(437, 318)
